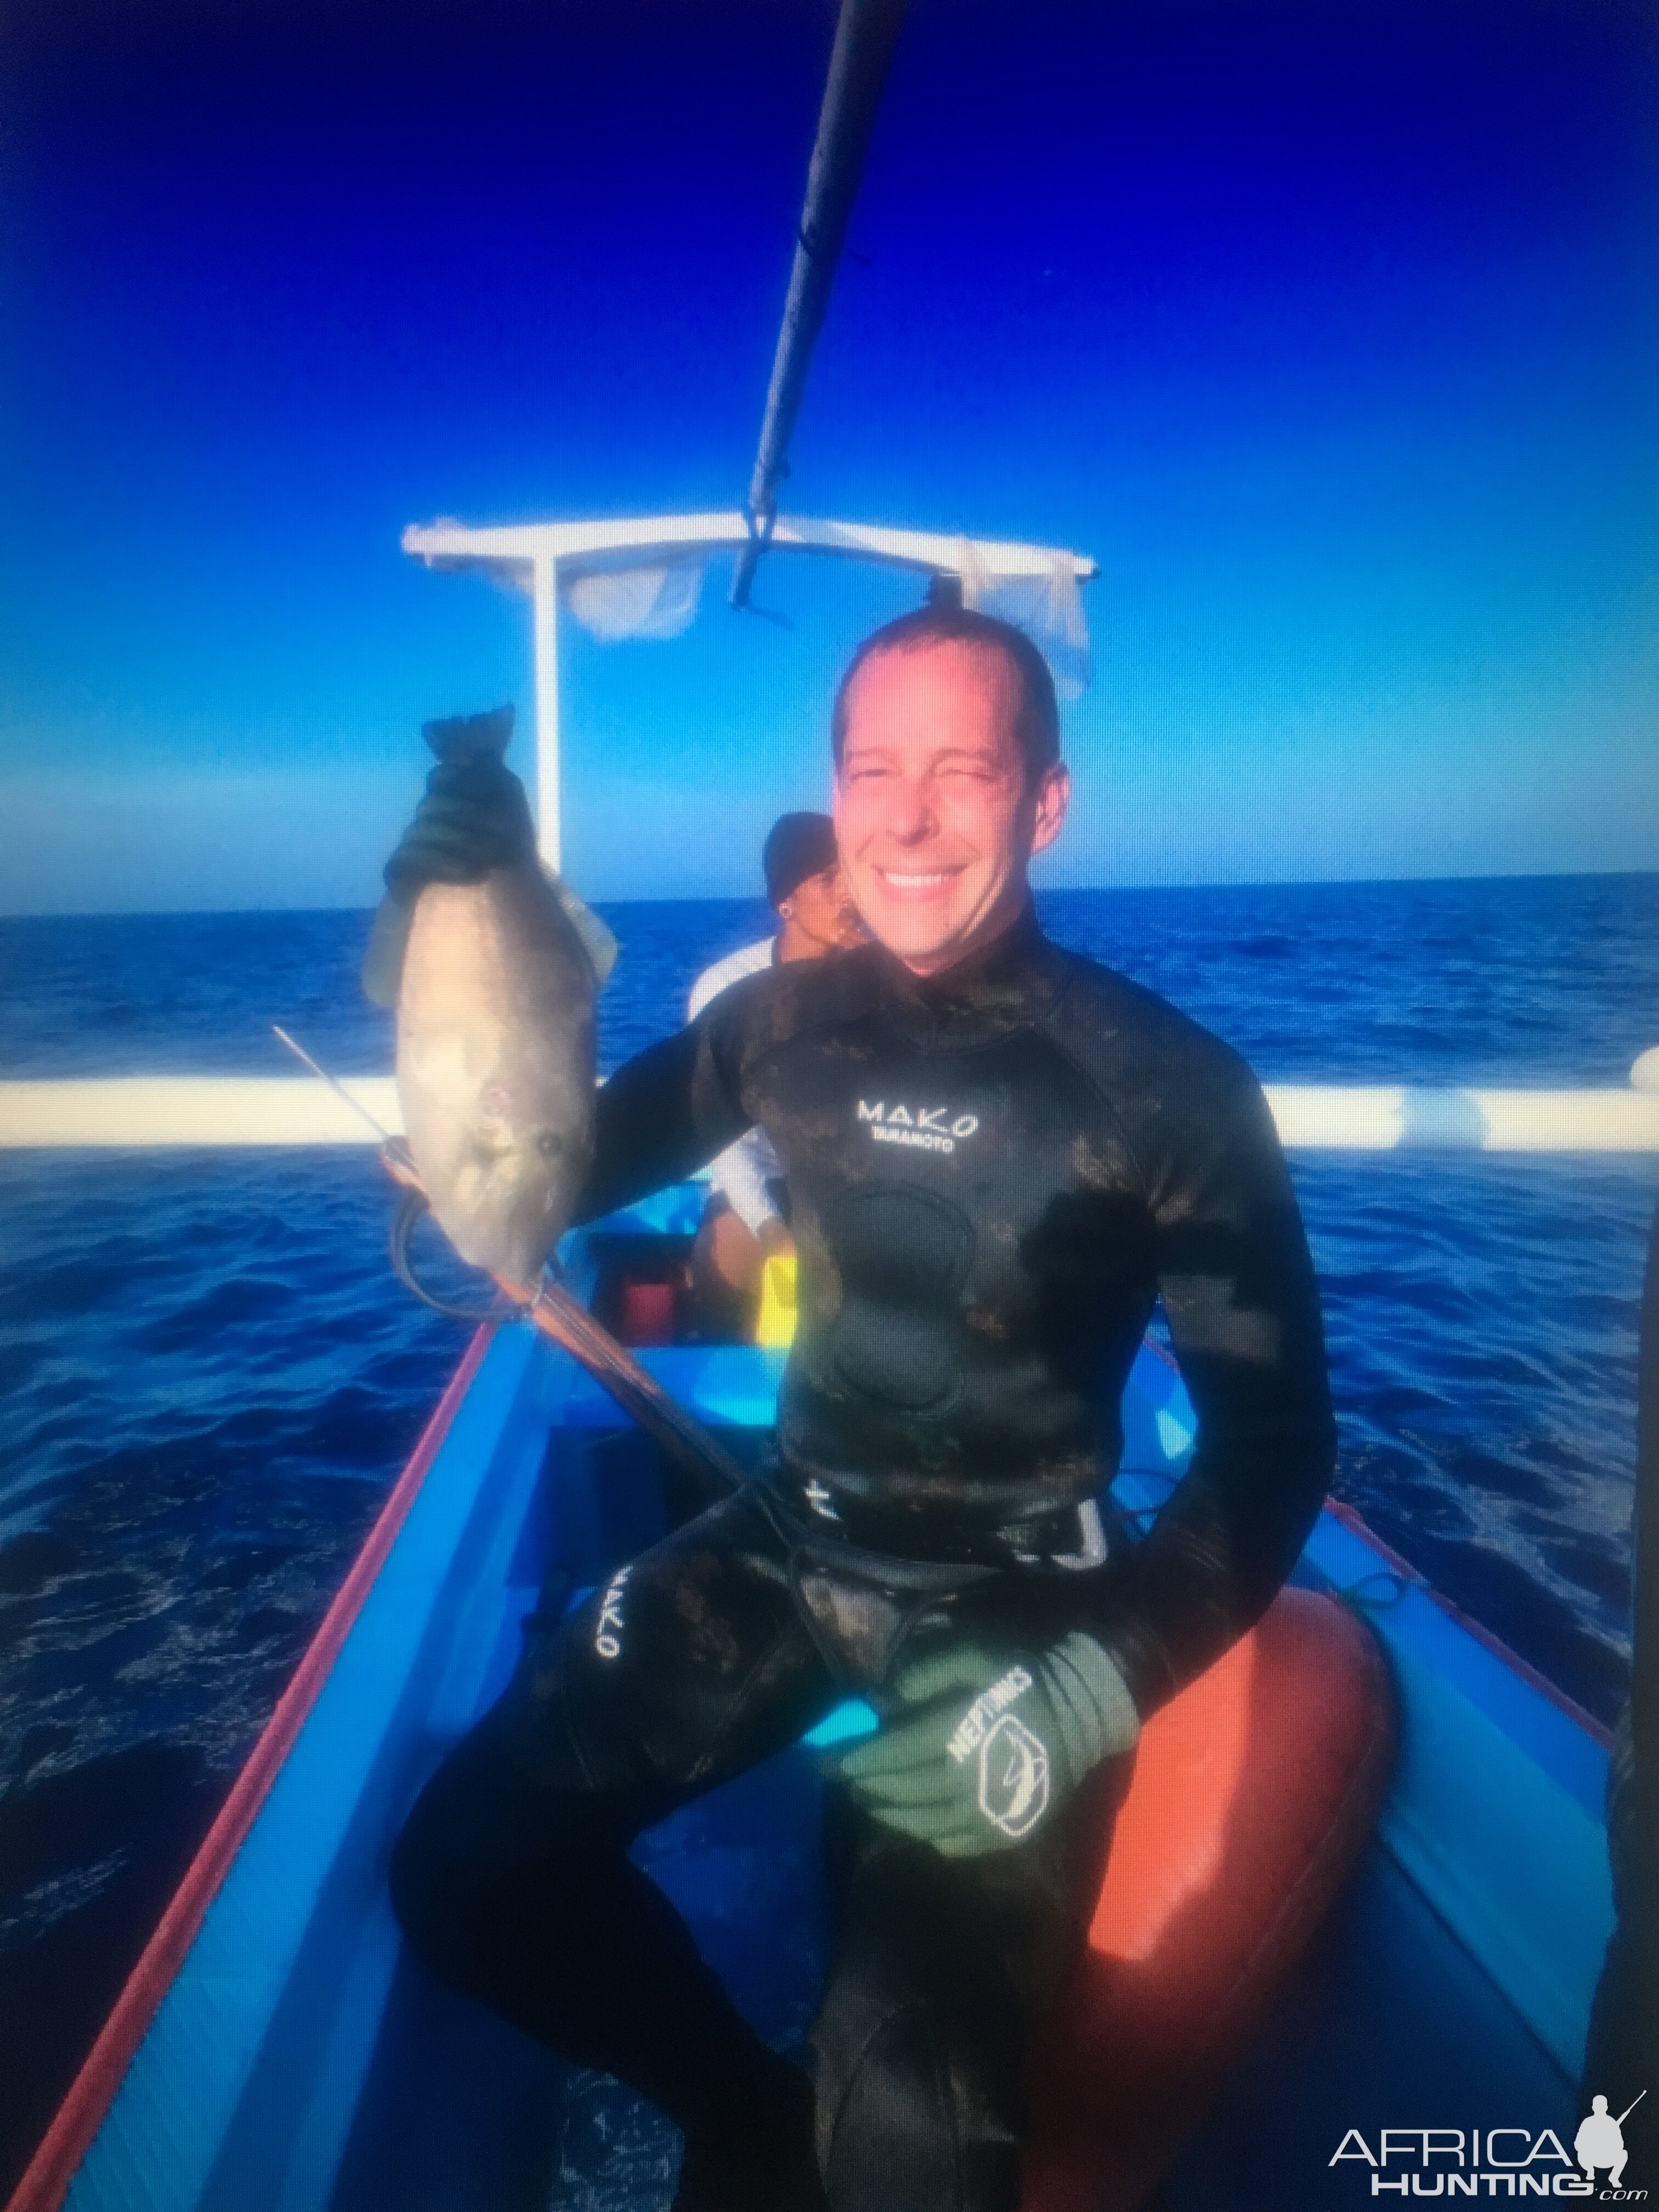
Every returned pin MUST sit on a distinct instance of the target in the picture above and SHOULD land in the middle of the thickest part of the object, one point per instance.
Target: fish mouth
(509, 1235)
(509, 1197)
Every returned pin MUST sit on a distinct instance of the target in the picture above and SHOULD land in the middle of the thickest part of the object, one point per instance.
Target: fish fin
(597, 942)
(383, 961)
(471, 736)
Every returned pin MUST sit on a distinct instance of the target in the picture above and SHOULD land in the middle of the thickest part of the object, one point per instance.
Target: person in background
(742, 1227)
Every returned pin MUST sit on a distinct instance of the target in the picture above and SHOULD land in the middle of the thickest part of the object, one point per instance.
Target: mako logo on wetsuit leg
(928, 1129)
(607, 1637)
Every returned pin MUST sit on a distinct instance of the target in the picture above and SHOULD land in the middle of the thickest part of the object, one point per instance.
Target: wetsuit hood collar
(999, 986)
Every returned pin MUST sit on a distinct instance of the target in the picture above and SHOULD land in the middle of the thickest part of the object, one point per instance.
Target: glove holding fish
(475, 815)
(493, 966)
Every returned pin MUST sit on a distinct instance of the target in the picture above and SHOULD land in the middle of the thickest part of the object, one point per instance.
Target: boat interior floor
(1387, 2022)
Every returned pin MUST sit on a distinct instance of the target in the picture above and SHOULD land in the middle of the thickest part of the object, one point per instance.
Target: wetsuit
(741, 1174)
(993, 1174)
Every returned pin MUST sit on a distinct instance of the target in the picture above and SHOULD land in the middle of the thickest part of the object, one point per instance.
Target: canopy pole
(545, 576)
(866, 34)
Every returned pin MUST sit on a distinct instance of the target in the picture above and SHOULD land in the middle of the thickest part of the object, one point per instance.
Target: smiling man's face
(935, 814)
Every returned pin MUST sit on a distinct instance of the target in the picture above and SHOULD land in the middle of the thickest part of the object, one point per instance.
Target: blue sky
(1328, 333)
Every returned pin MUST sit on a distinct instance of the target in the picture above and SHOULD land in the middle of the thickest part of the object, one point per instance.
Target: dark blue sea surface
(209, 1377)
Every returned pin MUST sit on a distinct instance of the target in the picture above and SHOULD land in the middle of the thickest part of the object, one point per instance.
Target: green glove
(983, 1747)
(475, 815)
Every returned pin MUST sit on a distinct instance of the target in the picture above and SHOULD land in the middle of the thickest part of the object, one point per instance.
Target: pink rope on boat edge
(65, 2143)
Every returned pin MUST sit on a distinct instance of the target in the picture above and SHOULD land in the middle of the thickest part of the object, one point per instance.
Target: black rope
(411, 1209)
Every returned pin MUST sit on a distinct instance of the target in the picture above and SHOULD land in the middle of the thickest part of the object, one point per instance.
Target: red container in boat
(1252, 1797)
(648, 1313)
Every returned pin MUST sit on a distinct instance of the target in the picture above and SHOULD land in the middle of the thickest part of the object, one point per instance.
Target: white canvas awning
(634, 578)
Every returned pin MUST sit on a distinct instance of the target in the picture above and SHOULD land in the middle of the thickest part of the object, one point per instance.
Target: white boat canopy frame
(538, 555)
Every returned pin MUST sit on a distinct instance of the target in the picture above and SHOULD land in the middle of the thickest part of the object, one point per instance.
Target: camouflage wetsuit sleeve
(1233, 1268)
(673, 1108)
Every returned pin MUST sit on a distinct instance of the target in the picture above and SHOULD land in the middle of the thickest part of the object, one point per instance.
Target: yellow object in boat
(776, 1322)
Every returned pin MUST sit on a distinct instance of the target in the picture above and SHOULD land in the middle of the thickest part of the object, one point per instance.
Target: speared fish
(496, 1046)
(558, 1315)
(495, 986)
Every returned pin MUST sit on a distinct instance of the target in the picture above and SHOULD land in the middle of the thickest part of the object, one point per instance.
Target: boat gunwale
(1351, 1518)
(76, 2123)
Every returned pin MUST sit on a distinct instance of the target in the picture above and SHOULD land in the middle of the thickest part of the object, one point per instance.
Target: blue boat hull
(298, 2061)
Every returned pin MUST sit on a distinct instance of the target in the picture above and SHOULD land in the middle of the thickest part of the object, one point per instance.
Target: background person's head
(948, 778)
(803, 885)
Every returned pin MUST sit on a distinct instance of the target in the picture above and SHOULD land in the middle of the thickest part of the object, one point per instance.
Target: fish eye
(550, 1145)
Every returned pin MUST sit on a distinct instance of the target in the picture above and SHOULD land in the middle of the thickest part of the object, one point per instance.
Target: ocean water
(209, 1377)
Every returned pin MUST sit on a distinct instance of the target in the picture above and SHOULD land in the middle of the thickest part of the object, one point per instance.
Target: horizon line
(758, 898)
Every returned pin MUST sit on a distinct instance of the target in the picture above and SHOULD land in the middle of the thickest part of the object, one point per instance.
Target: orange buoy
(1252, 1796)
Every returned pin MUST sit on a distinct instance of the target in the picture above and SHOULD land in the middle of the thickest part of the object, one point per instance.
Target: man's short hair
(1036, 724)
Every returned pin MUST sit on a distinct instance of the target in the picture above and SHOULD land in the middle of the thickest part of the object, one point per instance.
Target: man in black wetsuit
(998, 1156)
